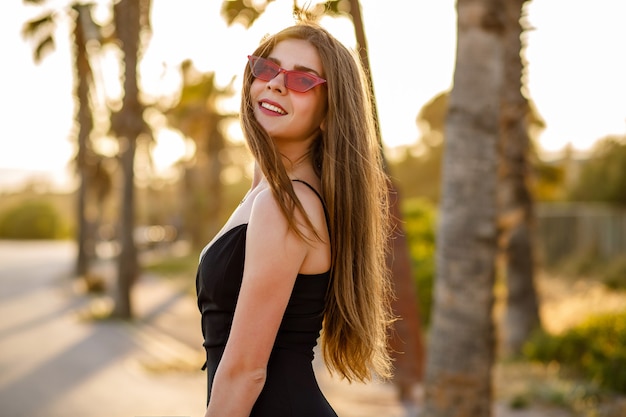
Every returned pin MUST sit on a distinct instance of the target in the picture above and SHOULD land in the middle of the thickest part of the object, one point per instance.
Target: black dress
(291, 388)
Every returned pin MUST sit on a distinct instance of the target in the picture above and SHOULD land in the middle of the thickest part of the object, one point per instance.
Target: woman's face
(287, 115)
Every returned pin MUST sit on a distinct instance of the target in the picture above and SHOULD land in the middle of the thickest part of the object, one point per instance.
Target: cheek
(256, 88)
(319, 108)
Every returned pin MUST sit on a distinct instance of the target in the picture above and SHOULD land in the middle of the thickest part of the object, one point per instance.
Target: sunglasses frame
(252, 60)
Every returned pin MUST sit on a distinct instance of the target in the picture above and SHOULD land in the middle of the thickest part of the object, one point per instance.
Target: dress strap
(321, 199)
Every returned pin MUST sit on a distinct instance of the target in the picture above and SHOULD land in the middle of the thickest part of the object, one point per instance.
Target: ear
(323, 125)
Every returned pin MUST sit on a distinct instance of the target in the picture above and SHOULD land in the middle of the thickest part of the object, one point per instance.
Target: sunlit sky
(575, 54)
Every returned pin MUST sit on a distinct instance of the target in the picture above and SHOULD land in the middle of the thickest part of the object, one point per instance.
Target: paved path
(54, 363)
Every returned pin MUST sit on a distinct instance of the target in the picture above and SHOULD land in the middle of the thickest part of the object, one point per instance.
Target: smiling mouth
(273, 108)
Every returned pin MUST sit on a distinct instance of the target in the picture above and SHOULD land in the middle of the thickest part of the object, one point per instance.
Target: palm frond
(34, 27)
(243, 11)
(43, 47)
(337, 7)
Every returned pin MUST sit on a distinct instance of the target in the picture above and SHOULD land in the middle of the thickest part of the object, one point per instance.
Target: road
(55, 364)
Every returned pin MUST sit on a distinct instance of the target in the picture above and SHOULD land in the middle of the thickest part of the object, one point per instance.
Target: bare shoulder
(266, 210)
(272, 247)
(272, 243)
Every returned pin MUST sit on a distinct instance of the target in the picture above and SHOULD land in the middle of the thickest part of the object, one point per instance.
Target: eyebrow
(296, 67)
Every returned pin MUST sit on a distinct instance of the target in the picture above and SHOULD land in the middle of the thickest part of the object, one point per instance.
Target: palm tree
(461, 343)
(196, 115)
(519, 120)
(42, 30)
(515, 199)
(127, 125)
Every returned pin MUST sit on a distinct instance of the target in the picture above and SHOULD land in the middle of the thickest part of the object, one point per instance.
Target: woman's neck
(297, 160)
(296, 153)
(301, 169)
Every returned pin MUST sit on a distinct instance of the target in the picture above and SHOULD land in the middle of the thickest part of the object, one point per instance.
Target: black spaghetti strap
(321, 199)
(313, 189)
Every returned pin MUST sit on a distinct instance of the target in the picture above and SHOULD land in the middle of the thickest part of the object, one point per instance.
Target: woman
(305, 248)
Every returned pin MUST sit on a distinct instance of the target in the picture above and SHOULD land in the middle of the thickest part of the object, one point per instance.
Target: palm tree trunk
(42, 30)
(461, 345)
(515, 200)
(128, 124)
(84, 119)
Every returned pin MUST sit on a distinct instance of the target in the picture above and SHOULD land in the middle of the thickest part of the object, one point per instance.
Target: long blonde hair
(348, 160)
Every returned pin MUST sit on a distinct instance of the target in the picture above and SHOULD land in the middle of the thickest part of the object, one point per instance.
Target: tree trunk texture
(514, 197)
(406, 339)
(461, 344)
(128, 124)
(85, 237)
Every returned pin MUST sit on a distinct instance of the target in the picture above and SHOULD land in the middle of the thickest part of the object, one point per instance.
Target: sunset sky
(576, 71)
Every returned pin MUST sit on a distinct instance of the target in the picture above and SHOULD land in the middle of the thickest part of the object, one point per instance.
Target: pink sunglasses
(267, 70)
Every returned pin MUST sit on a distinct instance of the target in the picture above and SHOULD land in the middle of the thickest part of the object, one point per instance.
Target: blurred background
(140, 170)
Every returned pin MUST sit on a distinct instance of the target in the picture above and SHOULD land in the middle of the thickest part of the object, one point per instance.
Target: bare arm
(274, 255)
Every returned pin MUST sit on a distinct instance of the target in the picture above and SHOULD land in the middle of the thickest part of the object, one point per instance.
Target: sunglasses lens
(263, 68)
(300, 81)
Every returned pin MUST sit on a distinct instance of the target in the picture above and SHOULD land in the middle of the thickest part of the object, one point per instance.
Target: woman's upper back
(220, 275)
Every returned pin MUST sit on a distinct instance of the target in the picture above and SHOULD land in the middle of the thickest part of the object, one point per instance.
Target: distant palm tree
(461, 341)
(130, 16)
(196, 115)
(42, 31)
(516, 204)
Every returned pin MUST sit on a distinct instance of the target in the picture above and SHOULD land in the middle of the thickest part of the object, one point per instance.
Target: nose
(278, 82)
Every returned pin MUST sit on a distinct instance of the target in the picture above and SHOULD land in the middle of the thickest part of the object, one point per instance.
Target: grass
(524, 385)
(565, 302)
(173, 267)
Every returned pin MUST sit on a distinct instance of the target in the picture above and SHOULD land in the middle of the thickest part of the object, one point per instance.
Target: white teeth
(272, 108)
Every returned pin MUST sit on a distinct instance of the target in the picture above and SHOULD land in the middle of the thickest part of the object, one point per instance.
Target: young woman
(305, 250)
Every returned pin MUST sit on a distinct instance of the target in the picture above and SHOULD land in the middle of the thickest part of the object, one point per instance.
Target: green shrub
(420, 219)
(175, 266)
(588, 264)
(596, 349)
(32, 220)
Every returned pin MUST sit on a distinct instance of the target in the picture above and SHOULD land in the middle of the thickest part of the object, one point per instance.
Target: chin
(273, 132)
